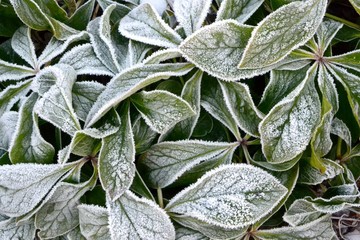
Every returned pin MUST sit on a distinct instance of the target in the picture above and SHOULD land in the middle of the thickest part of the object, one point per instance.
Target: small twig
(160, 198)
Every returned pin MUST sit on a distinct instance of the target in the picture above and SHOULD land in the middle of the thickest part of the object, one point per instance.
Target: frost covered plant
(183, 119)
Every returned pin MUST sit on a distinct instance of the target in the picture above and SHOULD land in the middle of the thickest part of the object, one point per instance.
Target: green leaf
(191, 14)
(28, 146)
(191, 94)
(144, 24)
(8, 123)
(281, 84)
(327, 88)
(22, 44)
(301, 212)
(260, 160)
(10, 229)
(232, 197)
(139, 187)
(239, 10)
(143, 135)
(55, 106)
(120, 11)
(9, 21)
(135, 218)
(82, 16)
(161, 110)
(282, 31)
(10, 95)
(326, 32)
(117, 157)
(10, 71)
(83, 59)
(162, 55)
(339, 128)
(187, 233)
(320, 229)
(312, 176)
(130, 81)
(94, 224)
(164, 162)
(356, 5)
(241, 106)
(289, 180)
(287, 129)
(55, 47)
(84, 95)
(349, 59)
(213, 102)
(23, 186)
(60, 214)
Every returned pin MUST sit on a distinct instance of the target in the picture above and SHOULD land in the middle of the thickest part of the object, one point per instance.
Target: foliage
(227, 119)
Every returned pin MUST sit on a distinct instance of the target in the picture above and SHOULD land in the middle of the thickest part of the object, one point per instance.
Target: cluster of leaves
(106, 104)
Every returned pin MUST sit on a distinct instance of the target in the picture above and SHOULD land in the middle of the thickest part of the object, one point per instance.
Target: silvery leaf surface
(161, 110)
(94, 223)
(28, 146)
(117, 157)
(131, 217)
(130, 81)
(164, 162)
(231, 197)
(191, 14)
(282, 31)
(239, 10)
(144, 24)
(287, 129)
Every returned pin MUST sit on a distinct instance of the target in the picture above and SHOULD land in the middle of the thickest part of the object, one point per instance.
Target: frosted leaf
(327, 87)
(84, 95)
(22, 44)
(136, 52)
(239, 10)
(312, 176)
(356, 5)
(241, 106)
(10, 71)
(144, 24)
(55, 106)
(162, 55)
(287, 129)
(130, 81)
(293, 66)
(161, 110)
(164, 162)
(28, 146)
(231, 196)
(94, 222)
(60, 214)
(189, 234)
(348, 60)
(191, 14)
(135, 218)
(143, 135)
(320, 229)
(355, 152)
(117, 157)
(159, 5)
(55, 47)
(288, 179)
(351, 83)
(75, 234)
(339, 128)
(8, 123)
(282, 31)
(83, 59)
(211, 231)
(10, 229)
(101, 40)
(23, 186)
(260, 160)
(326, 32)
(120, 11)
(11, 94)
(281, 84)
(213, 101)
(301, 212)
(191, 94)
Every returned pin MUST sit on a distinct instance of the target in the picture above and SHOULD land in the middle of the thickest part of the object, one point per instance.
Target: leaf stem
(346, 22)
(58, 139)
(246, 153)
(338, 149)
(160, 197)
